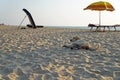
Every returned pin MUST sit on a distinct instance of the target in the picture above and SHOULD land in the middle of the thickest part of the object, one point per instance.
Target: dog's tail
(96, 47)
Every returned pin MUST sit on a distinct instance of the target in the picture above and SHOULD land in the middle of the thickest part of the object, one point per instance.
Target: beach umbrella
(100, 6)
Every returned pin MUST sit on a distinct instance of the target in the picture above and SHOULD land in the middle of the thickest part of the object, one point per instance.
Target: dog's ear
(76, 38)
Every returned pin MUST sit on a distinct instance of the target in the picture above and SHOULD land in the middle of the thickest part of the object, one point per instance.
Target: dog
(76, 43)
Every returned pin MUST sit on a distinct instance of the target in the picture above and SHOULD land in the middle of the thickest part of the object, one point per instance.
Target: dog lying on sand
(81, 44)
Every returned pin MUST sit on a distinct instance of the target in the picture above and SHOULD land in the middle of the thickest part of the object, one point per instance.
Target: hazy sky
(56, 12)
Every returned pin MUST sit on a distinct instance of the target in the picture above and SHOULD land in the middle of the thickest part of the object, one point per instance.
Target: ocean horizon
(73, 27)
(80, 27)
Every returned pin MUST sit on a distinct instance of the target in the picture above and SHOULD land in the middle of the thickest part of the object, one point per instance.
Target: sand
(38, 54)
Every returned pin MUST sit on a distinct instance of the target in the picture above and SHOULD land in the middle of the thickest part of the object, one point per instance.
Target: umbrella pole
(99, 18)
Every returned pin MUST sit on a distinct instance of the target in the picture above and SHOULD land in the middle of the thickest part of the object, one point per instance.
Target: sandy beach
(38, 54)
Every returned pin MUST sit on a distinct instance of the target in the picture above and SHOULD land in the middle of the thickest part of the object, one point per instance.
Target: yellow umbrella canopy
(100, 6)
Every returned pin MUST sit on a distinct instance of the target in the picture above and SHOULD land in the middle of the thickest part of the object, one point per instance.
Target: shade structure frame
(100, 6)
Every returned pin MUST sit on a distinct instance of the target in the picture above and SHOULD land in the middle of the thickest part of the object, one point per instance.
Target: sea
(81, 27)
(72, 27)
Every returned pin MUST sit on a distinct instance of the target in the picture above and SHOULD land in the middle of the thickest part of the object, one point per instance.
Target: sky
(57, 12)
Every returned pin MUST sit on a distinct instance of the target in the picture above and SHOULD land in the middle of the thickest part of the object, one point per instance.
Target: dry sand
(38, 54)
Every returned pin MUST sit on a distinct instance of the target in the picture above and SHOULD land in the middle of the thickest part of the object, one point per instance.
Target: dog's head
(74, 39)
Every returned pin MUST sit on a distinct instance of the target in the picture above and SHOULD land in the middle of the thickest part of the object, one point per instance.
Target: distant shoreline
(67, 27)
(72, 27)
